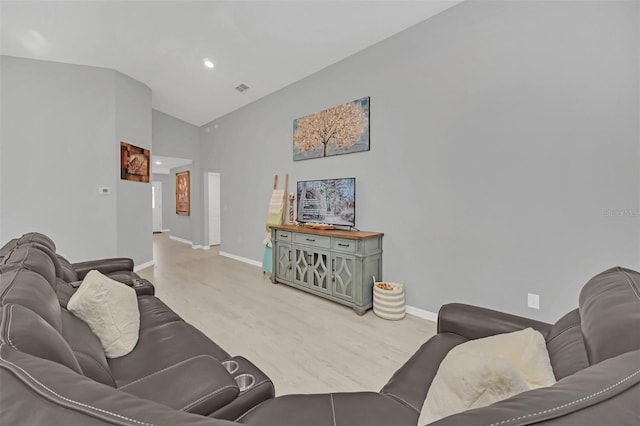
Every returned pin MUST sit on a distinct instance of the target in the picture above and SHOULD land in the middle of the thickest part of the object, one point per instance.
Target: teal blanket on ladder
(267, 259)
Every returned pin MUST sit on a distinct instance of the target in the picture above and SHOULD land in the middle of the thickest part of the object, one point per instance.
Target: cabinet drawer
(312, 240)
(283, 236)
(348, 246)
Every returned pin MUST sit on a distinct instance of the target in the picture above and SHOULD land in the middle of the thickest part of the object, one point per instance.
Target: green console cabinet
(335, 264)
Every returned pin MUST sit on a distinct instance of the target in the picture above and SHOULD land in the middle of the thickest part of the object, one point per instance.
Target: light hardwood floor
(305, 344)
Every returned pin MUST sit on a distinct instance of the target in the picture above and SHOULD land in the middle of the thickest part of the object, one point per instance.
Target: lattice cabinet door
(320, 274)
(284, 267)
(343, 276)
(302, 266)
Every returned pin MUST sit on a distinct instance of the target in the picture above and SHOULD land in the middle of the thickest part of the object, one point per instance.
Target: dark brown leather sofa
(173, 363)
(594, 351)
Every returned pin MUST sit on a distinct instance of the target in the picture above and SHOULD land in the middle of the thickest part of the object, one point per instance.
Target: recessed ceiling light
(208, 63)
(158, 162)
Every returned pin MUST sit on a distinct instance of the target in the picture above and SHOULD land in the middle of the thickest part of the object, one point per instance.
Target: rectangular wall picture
(134, 162)
(183, 196)
(342, 129)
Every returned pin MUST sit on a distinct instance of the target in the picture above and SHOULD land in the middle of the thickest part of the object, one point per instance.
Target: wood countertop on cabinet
(338, 233)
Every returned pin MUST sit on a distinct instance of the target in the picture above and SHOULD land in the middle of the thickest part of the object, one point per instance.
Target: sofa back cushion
(87, 349)
(37, 237)
(68, 273)
(32, 258)
(8, 247)
(31, 290)
(26, 331)
(610, 314)
(566, 346)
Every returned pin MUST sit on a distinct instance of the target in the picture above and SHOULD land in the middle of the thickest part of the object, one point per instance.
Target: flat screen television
(330, 201)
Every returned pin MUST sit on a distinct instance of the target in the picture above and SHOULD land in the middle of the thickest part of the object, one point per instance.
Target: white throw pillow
(110, 309)
(480, 372)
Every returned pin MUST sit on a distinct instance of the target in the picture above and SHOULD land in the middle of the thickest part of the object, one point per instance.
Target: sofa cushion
(482, 371)
(61, 397)
(411, 382)
(603, 394)
(154, 312)
(37, 237)
(199, 385)
(110, 309)
(610, 313)
(87, 348)
(32, 258)
(8, 247)
(161, 347)
(341, 409)
(67, 272)
(26, 331)
(566, 346)
(31, 290)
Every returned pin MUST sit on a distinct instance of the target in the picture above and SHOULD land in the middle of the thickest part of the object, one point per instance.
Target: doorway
(156, 206)
(214, 208)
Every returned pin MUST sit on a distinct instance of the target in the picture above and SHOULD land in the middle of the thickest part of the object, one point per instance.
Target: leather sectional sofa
(52, 369)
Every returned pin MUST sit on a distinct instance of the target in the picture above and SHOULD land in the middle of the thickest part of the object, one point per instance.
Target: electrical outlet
(533, 301)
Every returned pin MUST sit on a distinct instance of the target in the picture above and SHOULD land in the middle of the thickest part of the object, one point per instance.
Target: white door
(214, 209)
(156, 206)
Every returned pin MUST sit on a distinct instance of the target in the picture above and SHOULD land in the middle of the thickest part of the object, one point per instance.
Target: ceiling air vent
(241, 88)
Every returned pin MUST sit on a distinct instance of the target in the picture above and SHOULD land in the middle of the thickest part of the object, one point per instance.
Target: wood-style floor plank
(305, 344)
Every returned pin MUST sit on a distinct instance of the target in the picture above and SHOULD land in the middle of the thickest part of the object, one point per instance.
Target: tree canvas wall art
(342, 129)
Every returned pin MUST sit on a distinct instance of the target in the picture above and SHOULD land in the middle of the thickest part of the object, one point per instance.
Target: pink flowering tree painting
(342, 129)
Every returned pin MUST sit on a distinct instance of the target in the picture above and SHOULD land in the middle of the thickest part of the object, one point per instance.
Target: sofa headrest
(31, 290)
(8, 247)
(27, 332)
(32, 258)
(36, 237)
(610, 314)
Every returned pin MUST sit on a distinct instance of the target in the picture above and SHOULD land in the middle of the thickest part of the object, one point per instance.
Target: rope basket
(388, 300)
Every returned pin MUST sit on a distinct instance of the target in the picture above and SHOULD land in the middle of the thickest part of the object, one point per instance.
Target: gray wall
(173, 137)
(133, 125)
(502, 136)
(61, 127)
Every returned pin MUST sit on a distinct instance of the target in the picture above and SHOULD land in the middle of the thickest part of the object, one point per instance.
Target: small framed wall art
(183, 194)
(134, 162)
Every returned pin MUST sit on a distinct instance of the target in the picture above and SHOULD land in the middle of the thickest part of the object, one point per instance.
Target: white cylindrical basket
(389, 304)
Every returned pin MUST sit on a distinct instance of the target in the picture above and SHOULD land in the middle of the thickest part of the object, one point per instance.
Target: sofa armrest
(409, 385)
(199, 385)
(474, 322)
(104, 266)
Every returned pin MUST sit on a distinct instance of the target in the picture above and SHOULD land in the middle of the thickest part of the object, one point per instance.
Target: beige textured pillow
(110, 309)
(483, 371)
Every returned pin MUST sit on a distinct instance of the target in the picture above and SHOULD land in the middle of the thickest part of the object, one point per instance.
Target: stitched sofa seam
(402, 400)
(333, 410)
(72, 400)
(567, 328)
(164, 369)
(204, 397)
(568, 404)
(9, 328)
(632, 284)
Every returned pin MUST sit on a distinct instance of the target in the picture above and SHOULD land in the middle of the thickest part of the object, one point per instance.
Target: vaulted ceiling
(265, 45)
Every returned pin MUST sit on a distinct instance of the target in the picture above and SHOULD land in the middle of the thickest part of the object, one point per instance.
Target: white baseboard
(241, 259)
(144, 265)
(165, 230)
(181, 240)
(421, 313)
(199, 247)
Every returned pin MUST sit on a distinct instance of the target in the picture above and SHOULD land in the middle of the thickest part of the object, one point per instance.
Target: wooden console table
(335, 264)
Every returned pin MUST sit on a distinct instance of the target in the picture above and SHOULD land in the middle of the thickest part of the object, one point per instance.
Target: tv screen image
(331, 201)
